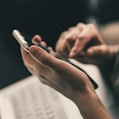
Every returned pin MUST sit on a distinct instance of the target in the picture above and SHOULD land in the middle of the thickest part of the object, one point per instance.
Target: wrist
(81, 98)
(90, 106)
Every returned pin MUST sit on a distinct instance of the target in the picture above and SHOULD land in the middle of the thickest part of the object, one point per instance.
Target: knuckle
(80, 25)
(92, 27)
(82, 37)
(71, 28)
(63, 35)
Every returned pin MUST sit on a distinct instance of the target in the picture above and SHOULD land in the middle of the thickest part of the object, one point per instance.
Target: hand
(65, 78)
(84, 43)
(56, 73)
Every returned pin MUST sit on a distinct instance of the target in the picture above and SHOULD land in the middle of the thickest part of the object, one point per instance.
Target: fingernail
(35, 42)
(72, 54)
(90, 52)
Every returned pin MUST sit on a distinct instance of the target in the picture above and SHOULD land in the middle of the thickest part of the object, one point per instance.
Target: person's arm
(65, 78)
(84, 43)
(110, 33)
(91, 107)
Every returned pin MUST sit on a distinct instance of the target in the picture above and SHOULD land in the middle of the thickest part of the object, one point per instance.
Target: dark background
(45, 17)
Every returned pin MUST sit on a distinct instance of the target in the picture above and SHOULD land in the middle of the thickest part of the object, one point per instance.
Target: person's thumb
(42, 56)
(95, 51)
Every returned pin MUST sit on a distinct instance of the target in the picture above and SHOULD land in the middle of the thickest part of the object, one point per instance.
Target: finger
(61, 47)
(42, 56)
(96, 51)
(66, 40)
(36, 39)
(80, 26)
(42, 43)
(88, 33)
(50, 48)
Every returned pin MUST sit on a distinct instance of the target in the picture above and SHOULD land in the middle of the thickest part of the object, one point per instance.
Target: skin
(84, 43)
(64, 77)
(109, 32)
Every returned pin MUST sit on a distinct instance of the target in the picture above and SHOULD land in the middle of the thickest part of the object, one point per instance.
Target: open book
(30, 99)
